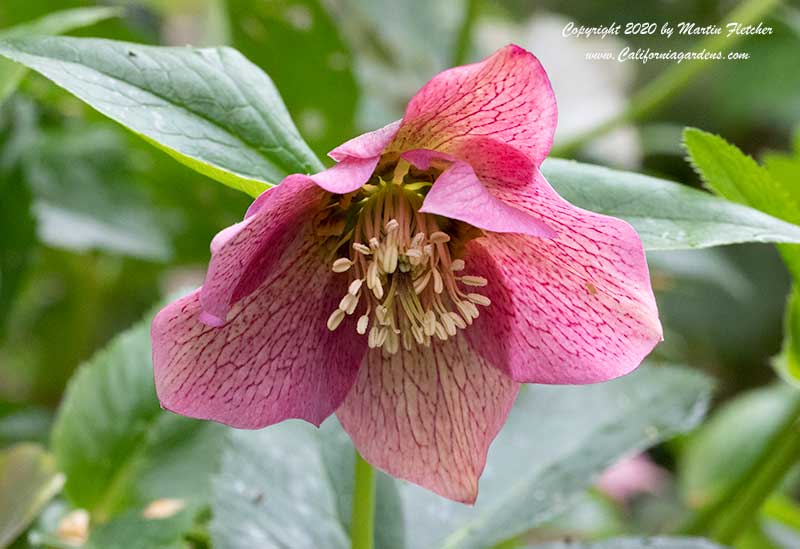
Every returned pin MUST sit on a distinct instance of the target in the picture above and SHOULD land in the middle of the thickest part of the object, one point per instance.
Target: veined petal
(429, 415)
(368, 145)
(507, 97)
(346, 176)
(578, 308)
(243, 254)
(275, 358)
(459, 194)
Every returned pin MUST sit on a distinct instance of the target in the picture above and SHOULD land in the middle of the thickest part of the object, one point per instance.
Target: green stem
(464, 38)
(362, 523)
(662, 88)
(733, 513)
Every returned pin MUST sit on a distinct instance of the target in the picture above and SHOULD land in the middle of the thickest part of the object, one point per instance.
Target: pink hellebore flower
(413, 286)
(631, 476)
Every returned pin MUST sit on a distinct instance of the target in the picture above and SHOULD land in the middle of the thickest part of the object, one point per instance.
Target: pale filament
(403, 281)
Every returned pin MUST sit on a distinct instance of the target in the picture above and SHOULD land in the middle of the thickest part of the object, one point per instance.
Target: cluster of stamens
(401, 270)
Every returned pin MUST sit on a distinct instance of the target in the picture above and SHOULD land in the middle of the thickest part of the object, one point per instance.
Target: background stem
(731, 515)
(362, 524)
(464, 37)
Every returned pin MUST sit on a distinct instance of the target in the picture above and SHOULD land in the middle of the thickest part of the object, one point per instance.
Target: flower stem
(725, 520)
(362, 523)
(661, 89)
(464, 37)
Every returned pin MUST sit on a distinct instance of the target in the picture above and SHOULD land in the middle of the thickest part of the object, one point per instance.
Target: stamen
(474, 280)
(412, 295)
(341, 265)
(335, 319)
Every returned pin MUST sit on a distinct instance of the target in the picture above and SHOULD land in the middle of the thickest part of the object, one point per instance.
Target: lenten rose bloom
(413, 286)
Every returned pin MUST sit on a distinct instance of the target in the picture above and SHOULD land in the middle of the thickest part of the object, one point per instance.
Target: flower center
(403, 277)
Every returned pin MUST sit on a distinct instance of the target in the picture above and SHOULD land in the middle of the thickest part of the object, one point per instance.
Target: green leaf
(667, 215)
(11, 74)
(787, 363)
(290, 486)
(28, 480)
(556, 441)
(742, 427)
(133, 531)
(85, 197)
(737, 177)
(118, 448)
(211, 109)
(634, 543)
(730, 173)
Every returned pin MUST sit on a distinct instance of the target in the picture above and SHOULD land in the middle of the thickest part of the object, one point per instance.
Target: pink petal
(346, 176)
(243, 254)
(507, 97)
(275, 358)
(368, 145)
(459, 194)
(578, 308)
(428, 415)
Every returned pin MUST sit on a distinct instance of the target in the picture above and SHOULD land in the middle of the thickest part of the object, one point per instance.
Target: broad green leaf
(58, 22)
(211, 109)
(555, 443)
(742, 427)
(317, 79)
(28, 480)
(118, 448)
(290, 486)
(667, 215)
(633, 543)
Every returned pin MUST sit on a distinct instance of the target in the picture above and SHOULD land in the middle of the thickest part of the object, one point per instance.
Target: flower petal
(578, 308)
(346, 176)
(429, 415)
(368, 145)
(275, 358)
(459, 194)
(243, 254)
(507, 97)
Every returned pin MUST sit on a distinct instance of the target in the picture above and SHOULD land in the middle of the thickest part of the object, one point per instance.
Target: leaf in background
(23, 423)
(739, 427)
(317, 79)
(737, 177)
(556, 441)
(28, 480)
(290, 486)
(118, 448)
(667, 215)
(211, 109)
(87, 197)
(787, 362)
(133, 531)
(59, 22)
(633, 543)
